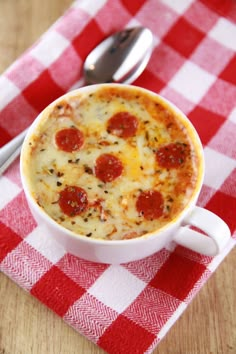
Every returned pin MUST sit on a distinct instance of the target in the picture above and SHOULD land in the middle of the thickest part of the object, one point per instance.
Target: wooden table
(208, 326)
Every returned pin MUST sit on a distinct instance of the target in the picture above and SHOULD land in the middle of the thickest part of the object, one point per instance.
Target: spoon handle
(10, 151)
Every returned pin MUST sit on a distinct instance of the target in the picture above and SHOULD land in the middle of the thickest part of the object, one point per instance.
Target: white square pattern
(179, 6)
(90, 317)
(9, 191)
(192, 82)
(232, 115)
(117, 288)
(218, 168)
(91, 7)
(8, 91)
(25, 266)
(49, 48)
(224, 32)
(172, 320)
(45, 244)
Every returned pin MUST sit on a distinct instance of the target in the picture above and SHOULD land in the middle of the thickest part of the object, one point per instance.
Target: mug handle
(216, 230)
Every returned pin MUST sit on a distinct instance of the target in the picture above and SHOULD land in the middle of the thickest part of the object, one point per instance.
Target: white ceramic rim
(148, 235)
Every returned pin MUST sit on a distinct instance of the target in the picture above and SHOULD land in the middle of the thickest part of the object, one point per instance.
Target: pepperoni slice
(108, 167)
(123, 124)
(150, 204)
(73, 200)
(172, 155)
(69, 139)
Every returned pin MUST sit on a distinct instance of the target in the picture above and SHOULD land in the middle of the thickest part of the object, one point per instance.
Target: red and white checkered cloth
(127, 308)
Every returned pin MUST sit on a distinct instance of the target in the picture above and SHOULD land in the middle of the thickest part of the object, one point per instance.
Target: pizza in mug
(112, 163)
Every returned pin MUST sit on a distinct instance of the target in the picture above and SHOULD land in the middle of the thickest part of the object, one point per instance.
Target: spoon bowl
(120, 58)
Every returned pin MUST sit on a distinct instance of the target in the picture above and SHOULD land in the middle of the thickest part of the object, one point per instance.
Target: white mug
(216, 232)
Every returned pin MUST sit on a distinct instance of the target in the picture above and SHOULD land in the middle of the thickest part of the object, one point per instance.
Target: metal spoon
(121, 58)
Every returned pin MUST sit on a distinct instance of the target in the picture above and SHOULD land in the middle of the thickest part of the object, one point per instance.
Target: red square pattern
(178, 276)
(42, 91)
(113, 23)
(229, 72)
(24, 71)
(4, 136)
(194, 256)
(74, 20)
(201, 16)
(165, 62)
(16, 215)
(145, 269)
(226, 8)
(88, 39)
(88, 308)
(125, 336)
(17, 115)
(152, 309)
(81, 271)
(227, 132)
(211, 56)
(184, 44)
(8, 240)
(25, 265)
(197, 286)
(133, 6)
(57, 291)
(224, 206)
(206, 123)
(66, 75)
(149, 81)
(220, 98)
(157, 17)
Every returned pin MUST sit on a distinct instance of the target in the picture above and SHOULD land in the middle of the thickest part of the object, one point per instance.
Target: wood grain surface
(208, 326)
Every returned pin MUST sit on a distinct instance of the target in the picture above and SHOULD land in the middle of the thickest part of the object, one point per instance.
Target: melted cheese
(50, 169)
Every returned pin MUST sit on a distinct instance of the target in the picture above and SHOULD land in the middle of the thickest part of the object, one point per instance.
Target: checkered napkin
(127, 308)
